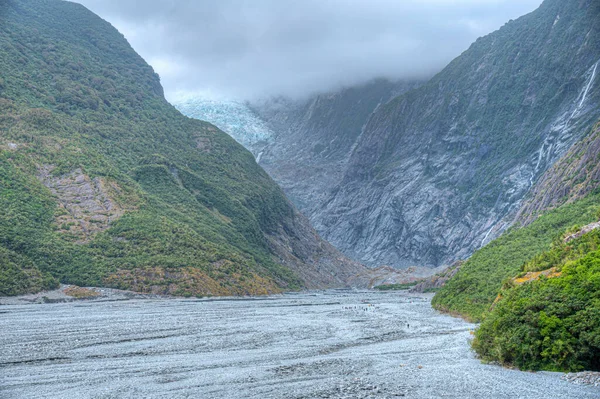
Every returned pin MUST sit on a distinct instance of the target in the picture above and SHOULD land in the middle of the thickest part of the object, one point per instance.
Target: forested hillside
(102, 182)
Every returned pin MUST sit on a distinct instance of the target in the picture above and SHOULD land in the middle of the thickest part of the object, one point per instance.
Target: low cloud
(252, 48)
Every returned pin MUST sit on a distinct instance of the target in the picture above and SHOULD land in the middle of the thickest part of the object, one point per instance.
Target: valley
(423, 235)
(424, 173)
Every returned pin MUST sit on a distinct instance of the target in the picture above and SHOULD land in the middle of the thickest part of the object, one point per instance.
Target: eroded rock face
(584, 230)
(313, 138)
(574, 176)
(436, 170)
(87, 205)
(298, 246)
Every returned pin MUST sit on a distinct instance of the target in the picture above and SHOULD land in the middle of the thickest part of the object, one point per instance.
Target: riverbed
(331, 344)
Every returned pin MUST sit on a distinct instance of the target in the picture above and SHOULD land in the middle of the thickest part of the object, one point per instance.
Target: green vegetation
(549, 323)
(563, 251)
(19, 275)
(186, 199)
(396, 287)
(536, 291)
(475, 287)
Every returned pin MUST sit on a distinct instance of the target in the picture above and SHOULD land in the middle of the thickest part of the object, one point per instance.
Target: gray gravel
(584, 377)
(60, 295)
(312, 345)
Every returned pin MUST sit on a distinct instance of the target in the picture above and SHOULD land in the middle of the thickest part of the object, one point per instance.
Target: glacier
(233, 117)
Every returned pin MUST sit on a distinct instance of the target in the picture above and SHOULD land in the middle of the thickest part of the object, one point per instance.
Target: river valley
(331, 344)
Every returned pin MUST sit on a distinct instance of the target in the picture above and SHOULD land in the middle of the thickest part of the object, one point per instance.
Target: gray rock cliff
(436, 170)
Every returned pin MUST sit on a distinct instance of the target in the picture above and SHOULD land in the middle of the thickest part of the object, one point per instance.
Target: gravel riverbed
(332, 344)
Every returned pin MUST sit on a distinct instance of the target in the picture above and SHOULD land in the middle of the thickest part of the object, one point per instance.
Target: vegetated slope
(549, 316)
(102, 182)
(314, 137)
(436, 170)
(474, 288)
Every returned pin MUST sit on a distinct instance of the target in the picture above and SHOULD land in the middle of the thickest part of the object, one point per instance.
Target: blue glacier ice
(233, 117)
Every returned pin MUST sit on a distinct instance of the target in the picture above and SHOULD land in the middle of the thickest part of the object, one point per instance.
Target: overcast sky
(243, 49)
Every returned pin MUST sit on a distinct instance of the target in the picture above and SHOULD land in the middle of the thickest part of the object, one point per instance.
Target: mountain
(437, 171)
(304, 144)
(314, 138)
(103, 182)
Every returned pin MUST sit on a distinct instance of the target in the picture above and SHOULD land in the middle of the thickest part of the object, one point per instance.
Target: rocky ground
(439, 279)
(583, 378)
(73, 293)
(332, 344)
(384, 275)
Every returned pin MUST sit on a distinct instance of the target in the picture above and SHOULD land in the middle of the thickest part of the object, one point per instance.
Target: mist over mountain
(244, 50)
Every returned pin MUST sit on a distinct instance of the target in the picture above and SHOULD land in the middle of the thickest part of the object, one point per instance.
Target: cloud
(251, 48)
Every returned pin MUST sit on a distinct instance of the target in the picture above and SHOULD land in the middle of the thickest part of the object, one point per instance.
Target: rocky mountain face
(435, 172)
(573, 177)
(103, 182)
(314, 138)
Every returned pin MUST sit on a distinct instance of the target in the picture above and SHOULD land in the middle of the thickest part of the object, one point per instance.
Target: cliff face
(313, 138)
(435, 171)
(103, 182)
(573, 177)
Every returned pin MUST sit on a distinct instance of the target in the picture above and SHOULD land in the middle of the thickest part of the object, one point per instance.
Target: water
(334, 344)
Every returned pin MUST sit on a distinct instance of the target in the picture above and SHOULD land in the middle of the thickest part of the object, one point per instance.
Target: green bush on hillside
(549, 323)
(475, 287)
